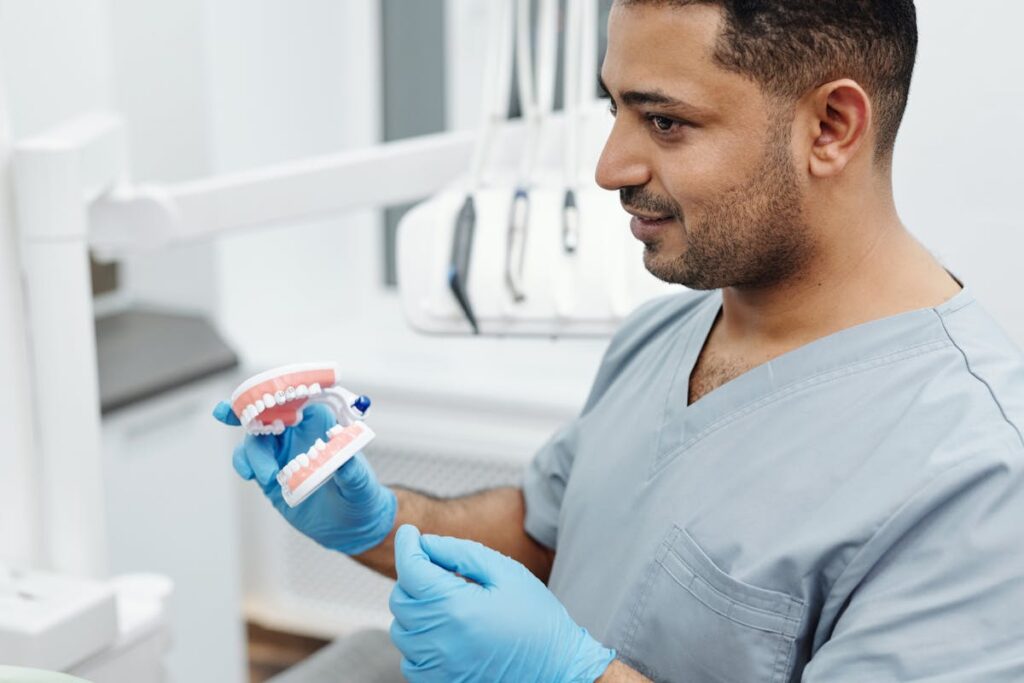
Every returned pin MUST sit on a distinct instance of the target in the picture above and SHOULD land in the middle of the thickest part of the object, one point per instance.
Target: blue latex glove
(351, 513)
(505, 627)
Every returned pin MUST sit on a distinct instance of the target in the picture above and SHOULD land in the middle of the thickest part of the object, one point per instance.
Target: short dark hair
(792, 46)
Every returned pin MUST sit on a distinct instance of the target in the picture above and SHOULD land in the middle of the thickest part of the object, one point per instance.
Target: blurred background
(212, 86)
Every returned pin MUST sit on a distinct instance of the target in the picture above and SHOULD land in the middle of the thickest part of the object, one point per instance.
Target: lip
(647, 229)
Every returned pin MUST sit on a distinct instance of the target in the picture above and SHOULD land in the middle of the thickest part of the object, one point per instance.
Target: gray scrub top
(850, 511)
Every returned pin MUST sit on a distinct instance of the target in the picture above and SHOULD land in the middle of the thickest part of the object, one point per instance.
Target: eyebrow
(639, 98)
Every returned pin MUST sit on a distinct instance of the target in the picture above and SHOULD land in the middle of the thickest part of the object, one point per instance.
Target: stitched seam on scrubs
(641, 604)
(789, 600)
(785, 662)
(790, 389)
(753, 596)
(970, 370)
(666, 414)
(730, 617)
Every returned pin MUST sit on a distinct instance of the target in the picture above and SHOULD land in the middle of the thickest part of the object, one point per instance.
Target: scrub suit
(850, 511)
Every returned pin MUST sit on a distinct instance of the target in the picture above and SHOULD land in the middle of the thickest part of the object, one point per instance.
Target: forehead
(656, 46)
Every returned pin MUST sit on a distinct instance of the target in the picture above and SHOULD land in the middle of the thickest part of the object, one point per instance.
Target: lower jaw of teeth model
(273, 400)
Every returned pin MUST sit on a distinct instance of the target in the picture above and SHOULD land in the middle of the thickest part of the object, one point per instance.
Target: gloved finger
(260, 452)
(472, 560)
(412, 614)
(417, 657)
(354, 477)
(222, 412)
(241, 463)
(417, 575)
(421, 672)
(316, 420)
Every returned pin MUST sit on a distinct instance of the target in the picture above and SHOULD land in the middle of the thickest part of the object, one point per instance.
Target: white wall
(289, 81)
(959, 180)
(161, 87)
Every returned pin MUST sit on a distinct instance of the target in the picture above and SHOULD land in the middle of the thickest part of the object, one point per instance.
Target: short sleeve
(943, 600)
(545, 482)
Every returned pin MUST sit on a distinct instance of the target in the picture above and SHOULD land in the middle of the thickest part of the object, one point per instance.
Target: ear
(840, 119)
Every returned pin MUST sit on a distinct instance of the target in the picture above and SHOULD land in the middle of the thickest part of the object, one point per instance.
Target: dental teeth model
(273, 400)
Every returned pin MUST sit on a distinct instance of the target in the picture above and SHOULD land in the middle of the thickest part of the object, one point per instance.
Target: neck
(858, 273)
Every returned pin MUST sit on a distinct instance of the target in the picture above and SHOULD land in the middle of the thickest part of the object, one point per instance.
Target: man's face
(699, 154)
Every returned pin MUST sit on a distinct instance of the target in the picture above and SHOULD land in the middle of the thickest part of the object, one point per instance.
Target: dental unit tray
(267, 403)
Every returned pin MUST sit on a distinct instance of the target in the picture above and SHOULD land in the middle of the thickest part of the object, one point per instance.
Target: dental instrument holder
(534, 271)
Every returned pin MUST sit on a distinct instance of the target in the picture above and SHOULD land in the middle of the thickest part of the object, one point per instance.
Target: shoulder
(991, 361)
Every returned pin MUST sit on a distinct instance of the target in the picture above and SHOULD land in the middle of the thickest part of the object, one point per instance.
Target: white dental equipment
(536, 98)
(51, 621)
(497, 84)
(580, 55)
(269, 402)
(529, 188)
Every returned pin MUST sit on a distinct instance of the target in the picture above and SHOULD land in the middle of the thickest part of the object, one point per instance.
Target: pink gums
(290, 413)
(336, 443)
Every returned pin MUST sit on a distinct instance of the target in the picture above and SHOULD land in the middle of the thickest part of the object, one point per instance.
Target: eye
(663, 124)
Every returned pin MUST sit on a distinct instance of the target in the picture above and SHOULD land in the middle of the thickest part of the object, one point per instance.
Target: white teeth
(314, 389)
(320, 445)
(335, 430)
(277, 427)
(260, 406)
(279, 397)
(282, 477)
(302, 391)
(303, 460)
(269, 401)
(249, 412)
(289, 393)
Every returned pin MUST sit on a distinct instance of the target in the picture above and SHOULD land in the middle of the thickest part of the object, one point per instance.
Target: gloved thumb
(223, 413)
(470, 559)
(417, 575)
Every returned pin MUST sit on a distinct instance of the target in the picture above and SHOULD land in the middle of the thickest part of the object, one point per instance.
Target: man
(812, 470)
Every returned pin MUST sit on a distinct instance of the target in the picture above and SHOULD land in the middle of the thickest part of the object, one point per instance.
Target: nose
(621, 163)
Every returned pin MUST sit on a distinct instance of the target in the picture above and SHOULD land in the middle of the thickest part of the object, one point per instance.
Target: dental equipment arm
(129, 219)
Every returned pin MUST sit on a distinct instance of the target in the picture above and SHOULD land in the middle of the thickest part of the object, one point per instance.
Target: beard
(752, 235)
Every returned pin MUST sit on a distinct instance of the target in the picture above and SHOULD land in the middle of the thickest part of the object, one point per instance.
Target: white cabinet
(171, 509)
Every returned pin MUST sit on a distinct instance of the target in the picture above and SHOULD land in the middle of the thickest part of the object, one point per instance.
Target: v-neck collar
(823, 359)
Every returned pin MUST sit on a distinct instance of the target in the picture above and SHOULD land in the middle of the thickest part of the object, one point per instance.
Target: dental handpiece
(458, 265)
(515, 254)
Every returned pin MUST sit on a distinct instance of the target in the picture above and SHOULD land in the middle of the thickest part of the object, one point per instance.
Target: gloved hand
(505, 627)
(351, 513)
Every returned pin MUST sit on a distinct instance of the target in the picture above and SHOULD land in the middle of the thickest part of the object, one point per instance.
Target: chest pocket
(693, 622)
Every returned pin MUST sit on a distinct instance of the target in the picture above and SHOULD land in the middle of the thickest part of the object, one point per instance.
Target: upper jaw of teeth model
(273, 400)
